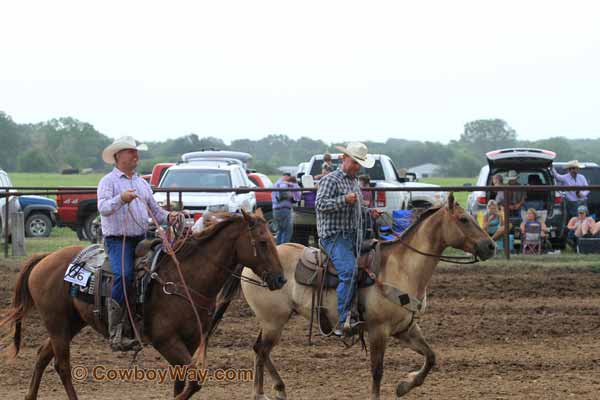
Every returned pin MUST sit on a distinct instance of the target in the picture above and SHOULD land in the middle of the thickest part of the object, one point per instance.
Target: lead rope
(167, 247)
(358, 221)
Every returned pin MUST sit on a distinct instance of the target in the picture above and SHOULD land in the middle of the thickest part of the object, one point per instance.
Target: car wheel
(80, 232)
(91, 231)
(38, 225)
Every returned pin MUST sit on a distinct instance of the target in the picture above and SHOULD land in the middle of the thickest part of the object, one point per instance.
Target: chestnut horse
(206, 261)
(407, 264)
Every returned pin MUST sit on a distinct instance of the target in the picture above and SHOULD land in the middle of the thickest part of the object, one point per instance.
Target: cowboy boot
(115, 328)
(128, 336)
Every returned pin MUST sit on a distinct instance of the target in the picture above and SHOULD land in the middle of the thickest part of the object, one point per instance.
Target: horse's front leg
(413, 338)
(175, 351)
(267, 339)
(377, 343)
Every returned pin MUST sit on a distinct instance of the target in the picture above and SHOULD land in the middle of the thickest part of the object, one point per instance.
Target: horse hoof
(262, 397)
(402, 389)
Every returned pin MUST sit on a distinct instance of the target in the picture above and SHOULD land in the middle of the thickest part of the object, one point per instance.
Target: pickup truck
(263, 199)
(79, 211)
(383, 174)
(39, 212)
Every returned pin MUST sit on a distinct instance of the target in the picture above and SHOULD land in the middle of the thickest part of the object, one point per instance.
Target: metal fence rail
(9, 192)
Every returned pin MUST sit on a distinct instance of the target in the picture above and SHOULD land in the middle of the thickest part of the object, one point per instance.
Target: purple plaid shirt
(115, 215)
(568, 180)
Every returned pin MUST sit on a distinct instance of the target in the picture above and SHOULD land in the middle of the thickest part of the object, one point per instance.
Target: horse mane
(412, 228)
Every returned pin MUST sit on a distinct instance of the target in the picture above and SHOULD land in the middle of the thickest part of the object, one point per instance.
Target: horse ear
(246, 216)
(451, 201)
(259, 213)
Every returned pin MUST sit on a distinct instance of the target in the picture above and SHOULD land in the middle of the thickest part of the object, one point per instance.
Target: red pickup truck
(78, 211)
(263, 199)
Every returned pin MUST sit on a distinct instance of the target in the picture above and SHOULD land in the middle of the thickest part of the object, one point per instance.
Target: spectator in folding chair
(582, 225)
(533, 233)
(497, 180)
(493, 223)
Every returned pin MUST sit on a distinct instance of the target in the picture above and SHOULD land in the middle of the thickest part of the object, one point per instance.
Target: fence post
(6, 206)
(506, 205)
(17, 230)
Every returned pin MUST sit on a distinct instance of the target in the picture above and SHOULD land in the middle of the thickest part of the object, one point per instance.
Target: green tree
(483, 135)
(462, 164)
(35, 160)
(560, 145)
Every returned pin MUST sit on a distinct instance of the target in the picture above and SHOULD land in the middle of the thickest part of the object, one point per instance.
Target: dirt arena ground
(499, 333)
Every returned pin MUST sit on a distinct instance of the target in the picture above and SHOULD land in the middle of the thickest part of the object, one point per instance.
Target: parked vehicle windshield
(196, 178)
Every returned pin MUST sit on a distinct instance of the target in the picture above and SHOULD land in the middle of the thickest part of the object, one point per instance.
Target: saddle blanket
(84, 265)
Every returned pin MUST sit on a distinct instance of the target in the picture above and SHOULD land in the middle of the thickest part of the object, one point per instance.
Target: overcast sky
(331, 70)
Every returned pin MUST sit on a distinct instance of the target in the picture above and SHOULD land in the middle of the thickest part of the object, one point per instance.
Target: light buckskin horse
(401, 267)
(170, 324)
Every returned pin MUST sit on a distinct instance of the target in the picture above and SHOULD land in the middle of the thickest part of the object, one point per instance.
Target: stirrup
(352, 326)
(126, 344)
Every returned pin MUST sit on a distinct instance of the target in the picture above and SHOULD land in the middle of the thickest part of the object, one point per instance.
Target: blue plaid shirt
(334, 215)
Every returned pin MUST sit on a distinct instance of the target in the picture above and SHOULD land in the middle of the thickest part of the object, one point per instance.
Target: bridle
(251, 226)
(462, 260)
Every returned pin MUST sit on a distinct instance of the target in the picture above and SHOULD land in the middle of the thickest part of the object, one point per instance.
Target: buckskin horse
(206, 260)
(407, 265)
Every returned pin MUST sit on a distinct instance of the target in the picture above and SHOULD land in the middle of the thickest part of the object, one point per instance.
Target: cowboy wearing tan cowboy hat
(123, 202)
(573, 178)
(337, 206)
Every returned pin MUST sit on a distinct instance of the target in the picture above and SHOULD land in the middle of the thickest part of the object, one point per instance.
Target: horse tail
(22, 302)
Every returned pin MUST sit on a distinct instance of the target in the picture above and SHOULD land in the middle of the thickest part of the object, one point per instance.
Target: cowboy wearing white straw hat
(124, 221)
(339, 210)
(573, 178)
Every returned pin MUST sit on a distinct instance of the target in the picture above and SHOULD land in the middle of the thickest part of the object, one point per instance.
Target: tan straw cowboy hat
(573, 164)
(124, 143)
(358, 152)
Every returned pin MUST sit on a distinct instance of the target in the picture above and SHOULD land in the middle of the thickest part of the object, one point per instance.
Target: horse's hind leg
(62, 362)
(266, 340)
(45, 354)
(414, 339)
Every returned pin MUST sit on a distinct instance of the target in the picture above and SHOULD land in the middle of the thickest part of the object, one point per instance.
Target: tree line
(61, 143)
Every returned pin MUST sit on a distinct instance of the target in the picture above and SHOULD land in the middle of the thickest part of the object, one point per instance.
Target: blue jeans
(115, 248)
(285, 224)
(340, 248)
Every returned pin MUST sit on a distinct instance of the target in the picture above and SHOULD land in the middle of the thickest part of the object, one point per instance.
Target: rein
(170, 251)
(449, 259)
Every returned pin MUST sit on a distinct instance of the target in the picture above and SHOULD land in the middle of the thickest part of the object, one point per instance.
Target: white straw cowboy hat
(573, 164)
(358, 152)
(511, 176)
(124, 143)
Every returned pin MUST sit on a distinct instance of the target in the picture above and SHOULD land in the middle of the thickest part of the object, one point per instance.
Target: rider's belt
(120, 237)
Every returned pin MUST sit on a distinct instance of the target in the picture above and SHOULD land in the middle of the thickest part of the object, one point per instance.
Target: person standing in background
(283, 202)
(573, 178)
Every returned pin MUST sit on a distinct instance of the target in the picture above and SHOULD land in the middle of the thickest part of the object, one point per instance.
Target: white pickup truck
(383, 174)
(209, 174)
